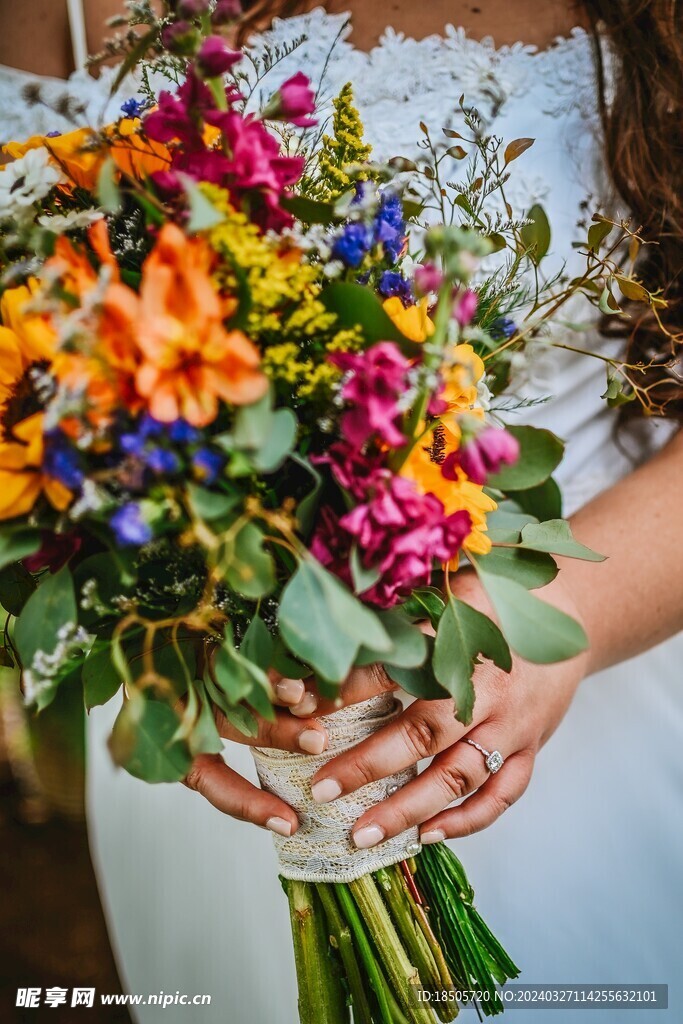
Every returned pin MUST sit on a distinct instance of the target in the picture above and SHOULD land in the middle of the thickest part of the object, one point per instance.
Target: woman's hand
(514, 714)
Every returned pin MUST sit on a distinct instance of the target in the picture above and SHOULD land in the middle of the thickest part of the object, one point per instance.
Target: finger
(361, 684)
(232, 794)
(459, 770)
(422, 730)
(287, 692)
(483, 808)
(284, 732)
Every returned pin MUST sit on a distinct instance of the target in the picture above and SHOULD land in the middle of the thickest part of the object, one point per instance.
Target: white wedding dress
(582, 878)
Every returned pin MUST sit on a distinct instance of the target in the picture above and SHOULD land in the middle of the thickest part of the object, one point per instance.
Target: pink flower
(484, 455)
(293, 102)
(226, 11)
(216, 58)
(55, 551)
(378, 378)
(428, 278)
(465, 306)
(397, 531)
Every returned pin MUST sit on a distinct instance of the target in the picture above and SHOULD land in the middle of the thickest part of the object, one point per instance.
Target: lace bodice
(520, 92)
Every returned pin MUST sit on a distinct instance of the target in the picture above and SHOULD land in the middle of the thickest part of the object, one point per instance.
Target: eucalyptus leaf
(354, 305)
(409, 644)
(362, 578)
(278, 443)
(48, 609)
(463, 635)
(425, 604)
(108, 191)
(555, 536)
(142, 742)
(540, 453)
(542, 502)
(17, 544)
(536, 235)
(538, 631)
(324, 624)
(532, 569)
(204, 738)
(258, 644)
(16, 586)
(101, 680)
(250, 570)
(210, 505)
(203, 214)
(418, 682)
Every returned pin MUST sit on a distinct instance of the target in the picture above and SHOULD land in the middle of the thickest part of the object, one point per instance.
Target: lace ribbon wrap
(321, 850)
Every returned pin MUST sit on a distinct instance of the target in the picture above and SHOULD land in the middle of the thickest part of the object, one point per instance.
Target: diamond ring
(494, 759)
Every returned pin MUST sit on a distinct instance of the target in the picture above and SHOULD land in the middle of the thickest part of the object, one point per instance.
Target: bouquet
(250, 424)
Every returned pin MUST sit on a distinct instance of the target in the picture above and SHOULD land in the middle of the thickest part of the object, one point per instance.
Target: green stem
(321, 998)
(393, 890)
(343, 936)
(400, 972)
(365, 950)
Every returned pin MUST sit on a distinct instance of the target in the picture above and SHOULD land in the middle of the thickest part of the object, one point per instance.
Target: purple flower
(352, 244)
(129, 527)
(397, 531)
(62, 461)
(392, 283)
(390, 228)
(503, 327)
(55, 551)
(207, 464)
(182, 432)
(484, 455)
(465, 306)
(216, 58)
(180, 38)
(162, 462)
(378, 378)
(294, 102)
(133, 107)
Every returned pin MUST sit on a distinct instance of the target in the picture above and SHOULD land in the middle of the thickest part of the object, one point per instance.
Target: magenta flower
(378, 378)
(226, 11)
(216, 58)
(351, 467)
(483, 456)
(294, 102)
(465, 306)
(55, 551)
(428, 278)
(398, 531)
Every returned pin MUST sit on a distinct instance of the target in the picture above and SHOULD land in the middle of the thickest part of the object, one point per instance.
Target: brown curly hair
(643, 132)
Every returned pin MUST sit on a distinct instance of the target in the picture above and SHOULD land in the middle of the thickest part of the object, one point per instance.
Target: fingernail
(290, 691)
(306, 706)
(367, 836)
(436, 835)
(312, 741)
(325, 790)
(279, 825)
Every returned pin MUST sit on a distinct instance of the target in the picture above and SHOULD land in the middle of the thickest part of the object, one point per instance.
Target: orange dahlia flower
(22, 479)
(189, 361)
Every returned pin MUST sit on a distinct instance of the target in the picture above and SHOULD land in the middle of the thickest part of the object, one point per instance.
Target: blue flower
(62, 461)
(182, 432)
(352, 245)
(129, 526)
(392, 283)
(133, 107)
(207, 464)
(503, 327)
(390, 227)
(162, 461)
(53, 135)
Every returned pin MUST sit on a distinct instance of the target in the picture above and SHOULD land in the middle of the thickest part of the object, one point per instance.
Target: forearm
(634, 599)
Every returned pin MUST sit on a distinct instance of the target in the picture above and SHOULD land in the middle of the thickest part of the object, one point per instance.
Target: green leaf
(409, 644)
(210, 505)
(250, 571)
(243, 720)
(17, 544)
(203, 214)
(362, 578)
(618, 391)
(463, 635)
(258, 644)
(418, 682)
(108, 191)
(608, 304)
(324, 624)
(51, 606)
(536, 630)
(536, 236)
(356, 306)
(425, 604)
(135, 56)
(555, 536)
(310, 211)
(204, 738)
(278, 443)
(232, 673)
(597, 233)
(540, 453)
(142, 742)
(100, 679)
(308, 505)
(16, 586)
(532, 569)
(252, 425)
(542, 502)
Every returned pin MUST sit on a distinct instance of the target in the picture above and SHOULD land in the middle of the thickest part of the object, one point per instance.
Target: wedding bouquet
(244, 430)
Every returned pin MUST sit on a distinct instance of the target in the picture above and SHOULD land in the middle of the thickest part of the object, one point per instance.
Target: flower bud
(180, 38)
(215, 57)
(465, 306)
(483, 456)
(294, 102)
(225, 12)
(428, 278)
(193, 8)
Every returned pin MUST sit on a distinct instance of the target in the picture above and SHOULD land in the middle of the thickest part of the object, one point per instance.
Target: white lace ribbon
(321, 850)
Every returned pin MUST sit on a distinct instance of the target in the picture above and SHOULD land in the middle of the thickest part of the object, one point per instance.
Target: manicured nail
(312, 741)
(306, 706)
(436, 835)
(367, 836)
(325, 790)
(290, 691)
(279, 825)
